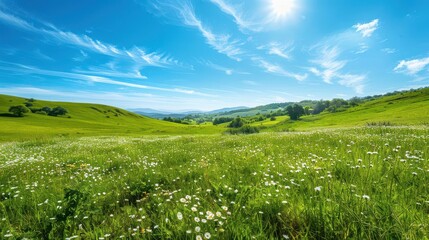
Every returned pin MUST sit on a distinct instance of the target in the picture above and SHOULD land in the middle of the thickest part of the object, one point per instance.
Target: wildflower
(318, 188)
(207, 235)
(196, 219)
(365, 197)
(198, 237)
(194, 209)
(179, 216)
(225, 208)
(188, 231)
(197, 229)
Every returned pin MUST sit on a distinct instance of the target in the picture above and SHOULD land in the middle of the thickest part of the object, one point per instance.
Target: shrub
(236, 123)
(19, 110)
(246, 129)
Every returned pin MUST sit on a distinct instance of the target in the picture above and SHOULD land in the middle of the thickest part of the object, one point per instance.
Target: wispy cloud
(23, 69)
(277, 70)
(412, 67)
(388, 50)
(328, 63)
(367, 29)
(233, 11)
(281, 50)
(354, 81)
(227, 71)
(135, 54)
(184, 12)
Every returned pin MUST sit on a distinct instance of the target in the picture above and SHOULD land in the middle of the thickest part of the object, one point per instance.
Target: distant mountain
(159, 114)
(227, 109)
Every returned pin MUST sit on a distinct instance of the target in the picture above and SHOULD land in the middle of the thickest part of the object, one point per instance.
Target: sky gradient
(211, 54)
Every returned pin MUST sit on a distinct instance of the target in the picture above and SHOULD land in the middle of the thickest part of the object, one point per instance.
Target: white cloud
(354, 81)
(135, 54)
(366, 29)
(184, 11)
(233, 11)
(278, 70)
(227, 71)
(275, 48)
(412, 66)
(23, 69)
(329, 64)
(388, 50)
(331, 68)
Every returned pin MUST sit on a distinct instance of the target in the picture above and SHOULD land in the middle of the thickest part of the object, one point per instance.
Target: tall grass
(363, 183)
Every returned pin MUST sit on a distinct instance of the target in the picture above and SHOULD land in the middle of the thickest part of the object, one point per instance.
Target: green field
(409, 108)
(101, 172)
(362, 183)
(87, 120)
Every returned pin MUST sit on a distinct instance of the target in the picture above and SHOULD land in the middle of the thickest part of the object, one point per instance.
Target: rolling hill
(402, 108)
(85, 119)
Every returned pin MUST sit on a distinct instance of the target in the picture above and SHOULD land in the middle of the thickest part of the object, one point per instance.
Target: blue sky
(210, 54)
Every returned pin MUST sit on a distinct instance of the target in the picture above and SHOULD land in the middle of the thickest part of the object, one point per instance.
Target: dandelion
(207, 235)
(318, 188)
(179, 216)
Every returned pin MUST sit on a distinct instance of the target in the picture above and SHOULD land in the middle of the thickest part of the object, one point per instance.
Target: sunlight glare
(281, 9)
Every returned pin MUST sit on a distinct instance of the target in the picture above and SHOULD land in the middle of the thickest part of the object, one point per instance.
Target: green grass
(86, 119)
(361, 183)
(409, 108)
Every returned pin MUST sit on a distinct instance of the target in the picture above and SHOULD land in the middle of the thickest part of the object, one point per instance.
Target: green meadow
(101, 172)
(360, 183)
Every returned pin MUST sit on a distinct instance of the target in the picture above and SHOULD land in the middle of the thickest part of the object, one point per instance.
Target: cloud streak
(277, 70)
(236, 14)
(413, 66)
(23, 69)
(184, 11)
(275, 48)
(366, 29)
(135, 54)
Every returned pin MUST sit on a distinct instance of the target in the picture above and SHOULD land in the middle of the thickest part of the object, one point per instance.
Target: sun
(282, 9)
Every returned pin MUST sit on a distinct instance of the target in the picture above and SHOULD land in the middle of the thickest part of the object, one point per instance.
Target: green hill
(403, 108)
(85, 119)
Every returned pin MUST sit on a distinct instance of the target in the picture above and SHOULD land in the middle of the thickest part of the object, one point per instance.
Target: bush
(236, 123)
(19, 110)
(57, 111)
(246, 129)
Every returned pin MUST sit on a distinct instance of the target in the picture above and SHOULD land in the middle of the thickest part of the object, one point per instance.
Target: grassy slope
(410, 108)
(87, 119)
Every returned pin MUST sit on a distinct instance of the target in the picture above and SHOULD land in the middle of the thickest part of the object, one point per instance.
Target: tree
(320, 106)
(19, 110)
(236, 123)
(57, 111)
(295, 111)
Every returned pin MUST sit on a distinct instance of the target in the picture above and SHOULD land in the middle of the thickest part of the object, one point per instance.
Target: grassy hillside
(85, 119)
(361, 183)
(407, 108)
